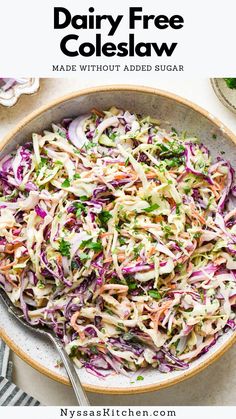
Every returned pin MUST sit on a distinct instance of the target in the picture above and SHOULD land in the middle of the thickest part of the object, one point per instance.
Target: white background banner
(30, 46)
(73, 412)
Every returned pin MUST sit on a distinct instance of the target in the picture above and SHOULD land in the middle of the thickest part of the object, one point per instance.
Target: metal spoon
(68, 364)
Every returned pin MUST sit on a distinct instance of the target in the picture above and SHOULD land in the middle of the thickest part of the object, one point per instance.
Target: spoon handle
(71, 371)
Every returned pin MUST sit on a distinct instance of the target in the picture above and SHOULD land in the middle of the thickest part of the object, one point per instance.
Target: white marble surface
(214, 386)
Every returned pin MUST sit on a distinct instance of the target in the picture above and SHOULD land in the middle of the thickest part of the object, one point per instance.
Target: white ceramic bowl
(171, 111)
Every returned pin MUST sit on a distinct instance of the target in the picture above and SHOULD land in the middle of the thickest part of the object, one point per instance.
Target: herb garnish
(64, 248)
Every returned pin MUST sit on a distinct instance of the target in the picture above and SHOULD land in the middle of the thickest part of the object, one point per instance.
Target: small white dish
(12, 89)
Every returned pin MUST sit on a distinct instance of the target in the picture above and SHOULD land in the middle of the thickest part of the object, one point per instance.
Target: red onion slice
(9, 83)
(76, 132)
(113, 121)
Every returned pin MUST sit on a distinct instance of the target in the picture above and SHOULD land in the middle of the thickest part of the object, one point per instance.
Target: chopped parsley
(138, 249)
(90, 145)
(66, 183)
(131, 284)
(104, 217)
(89, 244)
(140, 378)
(113, 136)
(127, 162)
(108, 311)
(152, 208)
(187, 190)
(128, 336)
(74, 265)
(179, 266)
(42, 163)
(64, 248)
(79, 208)
(175, 161)
(154, 294)
(121, 240)
(178, 209)
(73, 351)
(61, 132)
(231, 82)
(167, 231)
(83, 256)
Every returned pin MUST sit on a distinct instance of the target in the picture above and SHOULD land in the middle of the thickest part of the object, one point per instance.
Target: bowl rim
(111, 88)
(220, 94)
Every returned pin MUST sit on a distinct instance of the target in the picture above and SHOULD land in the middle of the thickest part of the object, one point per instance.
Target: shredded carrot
(22, 259)
(171, 202)
(10, 248)
(105, 234)
(6, 267)
(121, 257)
(151, 175)
(156, 317)
(152, 251)
(158, 218)
(59, 258)
(95, 255)
(219, 261)
(195, 213)
(109, 206)
(151, 310)
(221, 181)
(121, 176)
(97, 112)
(214, 190)
(76, 326)
(101, 349)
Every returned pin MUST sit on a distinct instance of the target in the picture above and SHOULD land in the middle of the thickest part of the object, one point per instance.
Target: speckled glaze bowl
(226, 95)
(172, 111)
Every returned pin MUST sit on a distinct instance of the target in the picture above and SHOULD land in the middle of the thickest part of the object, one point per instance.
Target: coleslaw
(118, 235)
